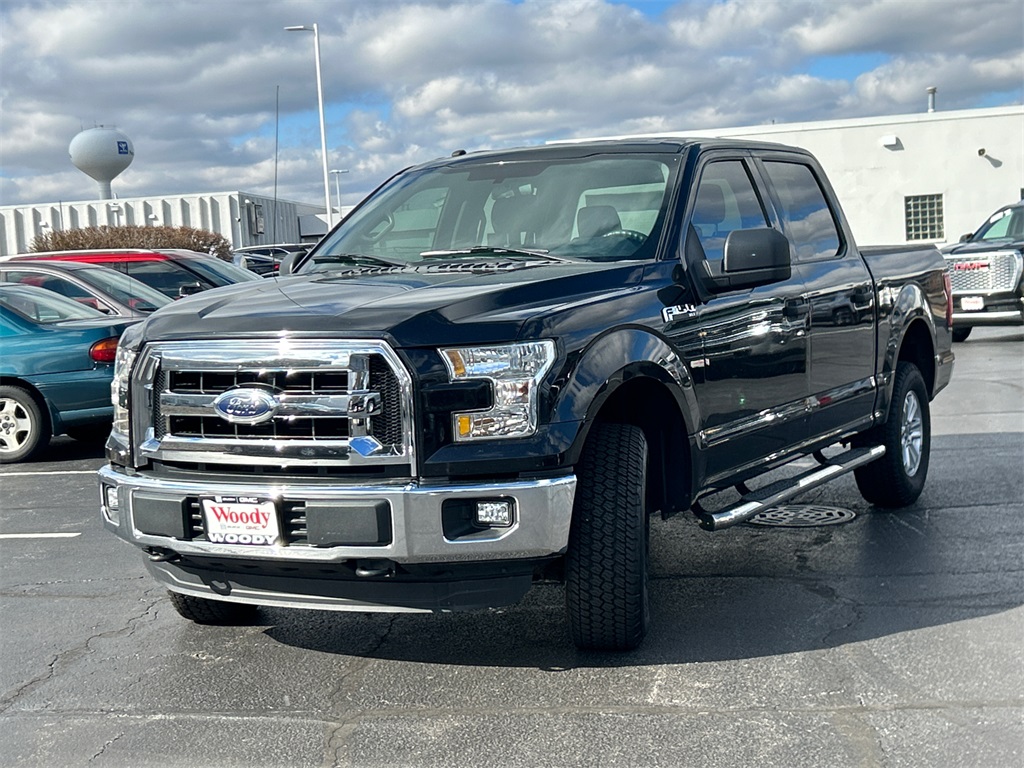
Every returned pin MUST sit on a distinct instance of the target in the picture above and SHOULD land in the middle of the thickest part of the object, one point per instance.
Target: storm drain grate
(802, 516)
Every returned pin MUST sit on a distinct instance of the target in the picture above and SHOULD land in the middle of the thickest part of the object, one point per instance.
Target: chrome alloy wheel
(912, 434)
(15, 425)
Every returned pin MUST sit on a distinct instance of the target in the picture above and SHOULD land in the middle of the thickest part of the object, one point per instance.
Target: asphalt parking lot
(893, 639)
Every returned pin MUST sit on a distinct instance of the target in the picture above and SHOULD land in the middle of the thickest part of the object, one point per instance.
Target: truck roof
(579, 148)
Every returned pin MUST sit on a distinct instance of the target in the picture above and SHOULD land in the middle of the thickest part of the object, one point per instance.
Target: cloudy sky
(207, 89)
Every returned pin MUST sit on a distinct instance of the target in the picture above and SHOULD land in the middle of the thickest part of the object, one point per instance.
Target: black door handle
(794, 310)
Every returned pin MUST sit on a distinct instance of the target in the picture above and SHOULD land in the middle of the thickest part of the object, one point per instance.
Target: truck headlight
(123, 362)
(515, 372)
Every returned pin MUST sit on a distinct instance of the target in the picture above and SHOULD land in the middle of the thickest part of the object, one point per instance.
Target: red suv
(173, 272)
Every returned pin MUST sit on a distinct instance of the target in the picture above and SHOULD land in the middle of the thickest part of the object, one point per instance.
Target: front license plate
(972, 303)
(245, 520)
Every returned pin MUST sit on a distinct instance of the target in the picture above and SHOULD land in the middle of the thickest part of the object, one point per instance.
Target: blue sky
(408, 81)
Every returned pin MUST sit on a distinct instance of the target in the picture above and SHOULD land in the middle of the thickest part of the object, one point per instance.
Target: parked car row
(173, 272)
(61, 315)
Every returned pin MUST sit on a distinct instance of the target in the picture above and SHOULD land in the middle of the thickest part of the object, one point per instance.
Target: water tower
(102, 153)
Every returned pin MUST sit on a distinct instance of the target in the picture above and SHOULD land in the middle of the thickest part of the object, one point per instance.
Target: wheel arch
(53, 419)
(632, 376)
(911, 339)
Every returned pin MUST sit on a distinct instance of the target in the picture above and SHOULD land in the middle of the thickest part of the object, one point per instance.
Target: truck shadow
(752, 591)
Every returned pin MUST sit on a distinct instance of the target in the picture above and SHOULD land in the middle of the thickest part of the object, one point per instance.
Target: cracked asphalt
(896, 639)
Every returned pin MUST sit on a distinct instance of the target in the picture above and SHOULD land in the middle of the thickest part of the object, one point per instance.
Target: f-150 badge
(668, 314)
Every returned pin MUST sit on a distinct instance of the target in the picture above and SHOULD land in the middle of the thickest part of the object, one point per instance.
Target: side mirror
(966, 238)
(189, 289)
(287, 264)
(753, 257)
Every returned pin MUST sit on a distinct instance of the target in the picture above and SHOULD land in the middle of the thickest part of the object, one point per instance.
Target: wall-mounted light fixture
(892, 141)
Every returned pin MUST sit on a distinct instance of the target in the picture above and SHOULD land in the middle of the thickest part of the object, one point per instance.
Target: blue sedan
(55, 371)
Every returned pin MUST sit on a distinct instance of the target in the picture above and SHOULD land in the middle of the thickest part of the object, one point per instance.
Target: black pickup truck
(986, 269)
(501, 364)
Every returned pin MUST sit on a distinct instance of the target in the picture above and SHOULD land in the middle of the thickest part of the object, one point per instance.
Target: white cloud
(194, 83)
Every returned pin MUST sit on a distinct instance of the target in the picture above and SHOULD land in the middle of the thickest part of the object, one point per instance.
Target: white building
(242, 218)
(927, 177)
(930, 177)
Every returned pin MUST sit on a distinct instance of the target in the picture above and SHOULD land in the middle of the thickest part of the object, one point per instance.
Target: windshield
(42, 306)
(1004, 224)
(602, 207)
(127, 290)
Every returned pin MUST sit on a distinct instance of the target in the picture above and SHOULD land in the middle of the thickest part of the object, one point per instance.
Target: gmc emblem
(970, 266)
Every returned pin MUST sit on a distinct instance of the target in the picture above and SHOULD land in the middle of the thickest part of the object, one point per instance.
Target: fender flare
(593, 375)
(908, 307)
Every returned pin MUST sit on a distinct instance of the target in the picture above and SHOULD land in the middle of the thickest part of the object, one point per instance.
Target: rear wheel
(961, 334)
(897, 479)
(204, 611)
(24, 430)
(606, 565)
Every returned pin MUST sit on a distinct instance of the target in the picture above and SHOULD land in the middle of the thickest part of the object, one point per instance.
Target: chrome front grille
(984, 272)
(333, 403)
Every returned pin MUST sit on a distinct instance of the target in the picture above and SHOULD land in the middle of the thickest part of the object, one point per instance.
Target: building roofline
(825, 125)
(145, 198)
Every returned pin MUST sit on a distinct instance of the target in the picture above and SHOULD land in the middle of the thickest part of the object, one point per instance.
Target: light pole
(320, 99)
(337, 185)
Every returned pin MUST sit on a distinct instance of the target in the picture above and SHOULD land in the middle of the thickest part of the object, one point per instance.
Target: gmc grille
(984, 272)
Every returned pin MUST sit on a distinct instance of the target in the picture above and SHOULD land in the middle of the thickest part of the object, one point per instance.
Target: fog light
(496, 513)
(111, 504)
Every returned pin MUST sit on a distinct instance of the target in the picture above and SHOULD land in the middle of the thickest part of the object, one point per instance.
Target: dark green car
(55, 370)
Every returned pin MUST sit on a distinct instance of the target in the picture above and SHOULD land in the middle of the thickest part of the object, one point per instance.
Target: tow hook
(160, 555)
(368, 568)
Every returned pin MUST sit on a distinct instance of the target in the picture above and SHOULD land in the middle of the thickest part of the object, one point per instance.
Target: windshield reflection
(601, 207)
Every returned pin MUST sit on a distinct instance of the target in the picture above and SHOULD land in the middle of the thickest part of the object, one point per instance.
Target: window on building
(923, 216)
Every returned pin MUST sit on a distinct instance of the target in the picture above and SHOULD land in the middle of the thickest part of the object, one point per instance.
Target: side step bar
(754, 502)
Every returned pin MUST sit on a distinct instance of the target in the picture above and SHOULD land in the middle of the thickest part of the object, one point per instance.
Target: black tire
(606, 565)
(204, 611)
(961, 334)
(897, 479)
(24, 428)
(94, 433)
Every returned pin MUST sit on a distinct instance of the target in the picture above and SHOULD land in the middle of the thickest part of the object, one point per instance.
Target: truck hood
(416, 305)
(966, 249)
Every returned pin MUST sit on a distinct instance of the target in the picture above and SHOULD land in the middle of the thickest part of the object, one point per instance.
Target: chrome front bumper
(543, 511)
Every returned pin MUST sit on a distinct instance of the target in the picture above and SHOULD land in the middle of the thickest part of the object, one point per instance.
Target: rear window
(41, 306)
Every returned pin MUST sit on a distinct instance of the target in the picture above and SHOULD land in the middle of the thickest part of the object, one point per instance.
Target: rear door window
(807, 217)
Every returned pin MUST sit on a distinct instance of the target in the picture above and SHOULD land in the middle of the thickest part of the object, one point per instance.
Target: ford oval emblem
(246, 405)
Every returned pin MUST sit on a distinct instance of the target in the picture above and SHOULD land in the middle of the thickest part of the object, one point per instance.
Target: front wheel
(24, 430)
(606, 565)
(204, 611)
(897, 479)
(961, 334)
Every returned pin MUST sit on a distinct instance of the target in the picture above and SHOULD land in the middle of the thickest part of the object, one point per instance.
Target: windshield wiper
(356, 258)
(497, 250)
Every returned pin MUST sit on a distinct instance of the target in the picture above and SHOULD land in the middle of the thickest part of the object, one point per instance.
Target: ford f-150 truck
(501, 364)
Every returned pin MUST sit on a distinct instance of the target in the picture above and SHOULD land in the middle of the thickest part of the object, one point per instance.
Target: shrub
(132, 236)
